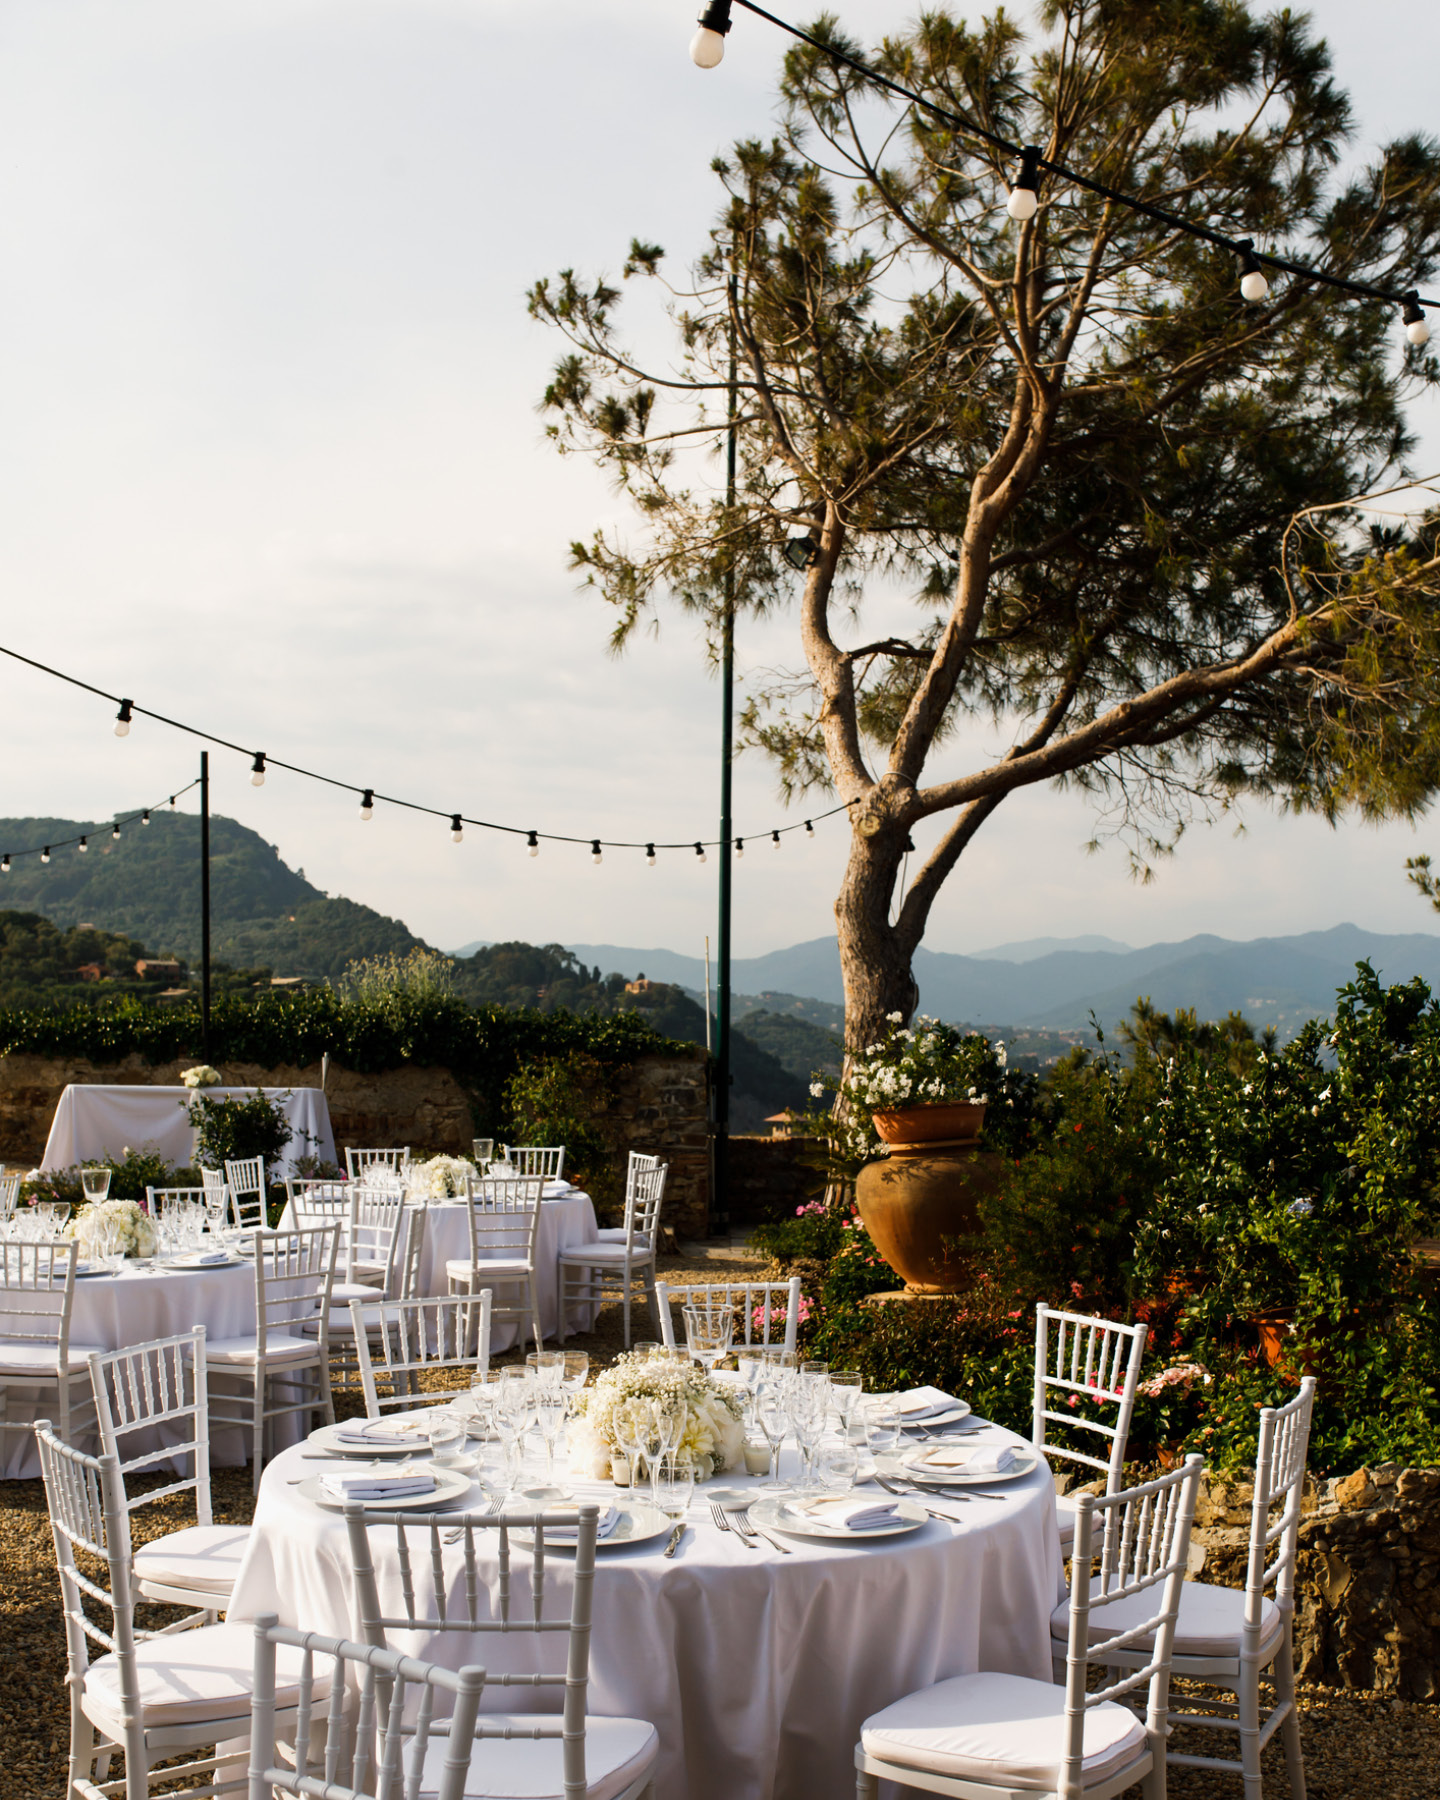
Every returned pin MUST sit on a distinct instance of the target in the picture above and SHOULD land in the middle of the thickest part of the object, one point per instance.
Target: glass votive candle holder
(757, 1457)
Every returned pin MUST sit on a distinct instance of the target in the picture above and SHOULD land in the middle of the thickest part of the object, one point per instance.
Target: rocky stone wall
(769, 1179)
(660, 1105)
(1367, 1603)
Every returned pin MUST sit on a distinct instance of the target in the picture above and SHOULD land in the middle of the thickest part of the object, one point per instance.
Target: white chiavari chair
(150, 1695)
(152, 1412)
(360, 1163)
(217, 1187)
(769, 1310)
(1228, 1637)
(1000, 1737)
(606, 1268)
(504, 1222)
(545, 1160)
(419, 1339)
(463, 1584)
(37, 1299)
(1085, 1363)
(245, 1177)
(286, 1369)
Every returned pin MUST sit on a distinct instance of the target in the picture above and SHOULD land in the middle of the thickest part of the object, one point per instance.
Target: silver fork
(744, 1516)
(723, 1524)
(916, 1493)
(454, 1537)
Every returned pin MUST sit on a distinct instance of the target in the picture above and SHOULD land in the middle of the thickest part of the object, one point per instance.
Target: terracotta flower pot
(912, 1130)
(924, 1210)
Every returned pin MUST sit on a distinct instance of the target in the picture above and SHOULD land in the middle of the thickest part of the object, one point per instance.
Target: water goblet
(550, 1410)
(483, 1150)
(577, 1371)
(547, 1367)
(752, 1362)
(808, 1405)
(772, 1416)
(845, 1391)
(708, 1331)
(96, 1183)
(672, 1485)
(814, 1370)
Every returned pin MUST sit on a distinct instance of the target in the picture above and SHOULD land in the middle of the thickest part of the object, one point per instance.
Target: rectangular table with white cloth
(114, 1312)
(94, 1119)
(756, 1668)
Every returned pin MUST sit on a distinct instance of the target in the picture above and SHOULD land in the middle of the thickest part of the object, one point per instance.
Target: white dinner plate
(83, 1272)
(639, 1523)
(952, 1415)
(451, 1486)
(782, 1514)
(327, 1438)
(196, 1268)
(911, 1465)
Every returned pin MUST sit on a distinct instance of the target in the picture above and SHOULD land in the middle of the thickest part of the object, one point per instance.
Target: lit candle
(757, 1459)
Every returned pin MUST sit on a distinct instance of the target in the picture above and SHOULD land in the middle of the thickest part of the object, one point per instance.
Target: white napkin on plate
(377, 1487)
(919, 1404)
(203, 1259)
(560, 1534)
(984, 1459)
(853, 1515)
(374, 1437)
(991, 1459)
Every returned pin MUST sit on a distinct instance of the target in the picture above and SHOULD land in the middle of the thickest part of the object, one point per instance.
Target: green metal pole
(205, 904)
(721, 1201)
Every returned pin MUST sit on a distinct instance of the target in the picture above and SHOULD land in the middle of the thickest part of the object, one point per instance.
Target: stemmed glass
(632, 1431)
(672, 1483)
(772, 1415)
(96, 1183)
(752, 1361)
(708, 1332)
(845, 1390)
(550, 1408)
(809, 1405)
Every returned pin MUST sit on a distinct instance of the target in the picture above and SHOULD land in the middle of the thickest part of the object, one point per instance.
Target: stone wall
(769, 1179)
(660, 1105)
(1367, 1603)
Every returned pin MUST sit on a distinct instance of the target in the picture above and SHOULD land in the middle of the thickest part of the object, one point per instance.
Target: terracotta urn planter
(921, 1204)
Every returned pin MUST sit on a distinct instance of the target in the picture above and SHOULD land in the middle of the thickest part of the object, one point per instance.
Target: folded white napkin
(377, 1487)
(854, 1515)
(923, 1403)
(609, 1519)
(374, 1435)
(202, 1259)
(984, 1459)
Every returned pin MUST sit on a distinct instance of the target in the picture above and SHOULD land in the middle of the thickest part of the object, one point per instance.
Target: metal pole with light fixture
(720, 1195)
(205, 904)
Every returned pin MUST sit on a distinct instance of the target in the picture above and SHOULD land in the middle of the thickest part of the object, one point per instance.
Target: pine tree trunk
(874, 960)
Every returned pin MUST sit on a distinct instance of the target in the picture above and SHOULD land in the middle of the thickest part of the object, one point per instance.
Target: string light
(650, 855)
(700, 852)
(172, 803)
(82, 843)
(809, 829)
(456, 831)
(116, 832)
(257, 770)
(775, 839)
(145, 816)
(533, 840)
(1253, 285)
(5, 863)
(707, 48)
(122, 720)
(82, 846)
(596, 855)
(739, 846)
(45, 854)
(367, 804)
(1024, 198)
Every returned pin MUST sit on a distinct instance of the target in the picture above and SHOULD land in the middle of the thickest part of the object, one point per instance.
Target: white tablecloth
(568, 1219)
(94, 1119)
(756, 1668)
(115, 1312)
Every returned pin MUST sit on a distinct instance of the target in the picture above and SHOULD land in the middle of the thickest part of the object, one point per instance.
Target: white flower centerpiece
(202, 1076)
(441, 1178)
(113, 1226)
(714, 1437)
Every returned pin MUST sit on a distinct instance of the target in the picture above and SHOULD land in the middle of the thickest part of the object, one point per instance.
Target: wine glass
(672, 1485)
(809, 1405)
(772, 1416)
(550, 1410)
(547, 1368)
(483, 1150)
(577, 1371)
(96, 1183)
(708, 1332)
(845, 1391)
(447, 1438)
(752, 1361)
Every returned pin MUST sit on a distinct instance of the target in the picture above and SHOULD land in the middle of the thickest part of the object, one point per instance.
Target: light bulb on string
(809, 829)
(596, 854)
(1253, 285)
(5, 863)
(700, 853)
(116, 832)
(172, 803)
(739, 846)
(1024, 196)
(775, 840)
(457, 830)
(45, 854)
(1413, 319)
(122, 719)
(81, 847)
(257, 770)
(533, 840)
(367, 804)
(650, 855)
(145, 816)
(707, 47)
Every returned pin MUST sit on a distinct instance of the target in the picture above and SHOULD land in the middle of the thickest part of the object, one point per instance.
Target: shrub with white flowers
(924, 1064)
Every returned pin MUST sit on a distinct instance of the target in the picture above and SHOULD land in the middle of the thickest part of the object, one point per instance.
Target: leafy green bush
(553, 1100)
(232, 1130)
(130, 1175)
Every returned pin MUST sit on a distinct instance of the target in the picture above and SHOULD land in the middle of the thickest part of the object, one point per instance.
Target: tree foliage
(1121, 499)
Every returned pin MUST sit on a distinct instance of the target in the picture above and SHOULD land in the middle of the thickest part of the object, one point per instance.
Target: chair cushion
(603, 1253)
(352, 1290)
(499, 1266)
(617, 1754)
(204, 1557)
(1004, 1729)
(615, 1234)
(280, 1347)
(1211, 1620)
(373, 1317)
(1065, 1519)
(195, 1676)
(23, 1356)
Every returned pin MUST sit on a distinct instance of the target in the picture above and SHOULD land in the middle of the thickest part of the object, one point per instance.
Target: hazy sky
(271, 462)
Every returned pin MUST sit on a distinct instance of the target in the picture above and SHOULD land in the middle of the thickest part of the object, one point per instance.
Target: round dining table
(755, 1666)
(135, 1306)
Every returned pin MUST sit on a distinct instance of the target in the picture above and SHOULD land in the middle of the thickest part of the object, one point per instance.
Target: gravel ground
(1355, 1744)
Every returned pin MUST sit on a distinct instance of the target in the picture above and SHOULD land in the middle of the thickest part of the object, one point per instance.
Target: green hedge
(483, 1047)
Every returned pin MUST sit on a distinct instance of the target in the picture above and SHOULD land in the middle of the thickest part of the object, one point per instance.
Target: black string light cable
(44, 851)
(707, 47)
(261, 761)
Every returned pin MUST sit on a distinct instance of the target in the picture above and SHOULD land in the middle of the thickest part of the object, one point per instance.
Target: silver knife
(675, 1537)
